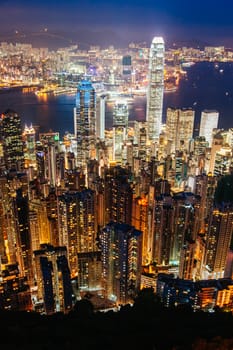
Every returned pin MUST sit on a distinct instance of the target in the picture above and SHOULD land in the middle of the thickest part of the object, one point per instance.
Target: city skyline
(126, 20)
(142, 202)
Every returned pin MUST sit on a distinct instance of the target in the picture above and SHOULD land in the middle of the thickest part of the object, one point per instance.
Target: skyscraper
(121, 259)
(77, 224)
(11, 136)
(155, 89)
(179, 127)
(120, 124)
(100, 117)
(209, 121)
(85, 122)
(29, 147)
(53, 278)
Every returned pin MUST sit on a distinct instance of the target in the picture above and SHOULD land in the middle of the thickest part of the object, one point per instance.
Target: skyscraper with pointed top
(85, 122)
(155, 89)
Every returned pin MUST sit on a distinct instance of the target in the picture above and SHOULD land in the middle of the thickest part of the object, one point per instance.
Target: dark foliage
(146, 325)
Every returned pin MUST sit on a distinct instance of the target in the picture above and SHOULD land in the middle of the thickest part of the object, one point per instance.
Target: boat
(187, 64)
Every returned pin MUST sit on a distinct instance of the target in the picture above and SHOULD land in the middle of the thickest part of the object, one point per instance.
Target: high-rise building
(120, 125)
(53, 278)
(24, 245)
(140, 222)
(29, 147)
(77, 224)
(118, 195)
(121, 259)
(209, 121)
(85, 123)
(100, 117)
(155, 89)
(179, 124)
(127, 65)
(11, 136)
(220, 228)
(50, 146)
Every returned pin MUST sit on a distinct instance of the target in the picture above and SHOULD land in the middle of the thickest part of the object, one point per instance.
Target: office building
(11, 137)
(209, 121)
(85, 123)
(100, 117)
(29, 147)
(179, 128)
(155, 89)
(120, 126)
(24, 244)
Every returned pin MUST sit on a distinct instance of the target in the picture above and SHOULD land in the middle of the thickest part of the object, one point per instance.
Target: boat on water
(187, 64)
(64, 91)
(170, 89)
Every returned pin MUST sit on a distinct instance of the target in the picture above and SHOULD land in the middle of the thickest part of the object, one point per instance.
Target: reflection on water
(204, 87)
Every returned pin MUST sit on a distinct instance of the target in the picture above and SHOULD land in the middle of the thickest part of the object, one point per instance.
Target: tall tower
(24, 235)
(120, 124)
(209, 121)
(11, 135)
(100, 117)
(85, 122)
(29, 147)
(155, 89)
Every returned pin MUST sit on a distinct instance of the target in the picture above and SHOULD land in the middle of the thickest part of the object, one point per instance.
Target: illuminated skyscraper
(85, 123)
(100, 117)
(155, 89)
(179, 124)
(120, 124)
(219, 235)
(11, 136)
(118, 195)
(77, 224)
(24, 246)
(29, 147)
(121, 259)
(50, 146)
(209, 121)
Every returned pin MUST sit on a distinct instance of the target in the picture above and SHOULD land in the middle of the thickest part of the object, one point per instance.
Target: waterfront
(206, 86)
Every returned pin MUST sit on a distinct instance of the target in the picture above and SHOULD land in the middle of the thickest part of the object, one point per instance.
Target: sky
(142, 19)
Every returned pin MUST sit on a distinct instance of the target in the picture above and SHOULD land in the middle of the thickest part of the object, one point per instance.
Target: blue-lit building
(85, 122)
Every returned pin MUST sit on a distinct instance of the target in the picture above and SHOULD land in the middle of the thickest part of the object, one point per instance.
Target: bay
(205, 86)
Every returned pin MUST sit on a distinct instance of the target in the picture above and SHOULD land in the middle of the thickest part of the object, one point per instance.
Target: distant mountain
(54, 40)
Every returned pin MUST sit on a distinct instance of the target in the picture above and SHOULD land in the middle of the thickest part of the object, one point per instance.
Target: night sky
(134, 19)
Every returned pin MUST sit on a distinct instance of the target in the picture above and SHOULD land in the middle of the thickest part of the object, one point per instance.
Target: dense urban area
(125, 226)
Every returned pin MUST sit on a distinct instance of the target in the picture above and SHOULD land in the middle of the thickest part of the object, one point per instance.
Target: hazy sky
(199, 19)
